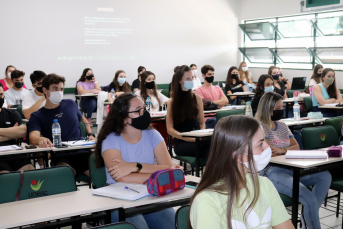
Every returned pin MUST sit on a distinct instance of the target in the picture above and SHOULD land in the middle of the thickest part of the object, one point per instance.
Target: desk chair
(335, 123)
(98, 175)
(181, 217)
(225, 113)
(308, 104)
(78, 101)
(120, 225)
(20, 111)
(319, 137)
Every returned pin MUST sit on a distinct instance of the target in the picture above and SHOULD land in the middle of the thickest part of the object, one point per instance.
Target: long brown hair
(144, 90)
(241, 73)
(332, 89)
(232, 137)
(126, 85)
(260, 84)
(229, 77)
(271, 68)
(184, 105)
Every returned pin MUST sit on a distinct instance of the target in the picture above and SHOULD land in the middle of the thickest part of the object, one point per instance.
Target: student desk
(240, 94)
(291, 124)
(338, 110)
(288, 101)
(302, 167)
(24, 153)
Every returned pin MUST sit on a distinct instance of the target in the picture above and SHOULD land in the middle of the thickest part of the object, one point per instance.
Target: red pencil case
(335, 151)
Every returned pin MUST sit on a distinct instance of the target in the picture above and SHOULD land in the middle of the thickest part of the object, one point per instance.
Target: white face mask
(262, 160)
(9, 75)
(245, 69)
(56, 97)
(194, 71)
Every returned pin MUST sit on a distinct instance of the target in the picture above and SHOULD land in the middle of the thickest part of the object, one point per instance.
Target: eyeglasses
(140, 111)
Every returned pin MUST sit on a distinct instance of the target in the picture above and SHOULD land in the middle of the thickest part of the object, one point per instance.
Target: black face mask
(90, 77)
(209, 79)
(18, 84)
(1, 102)
(234, 76)
(319, 75)
(276, 77)
(142, 122)
(277, 115)
(39, 89)
(150, 85)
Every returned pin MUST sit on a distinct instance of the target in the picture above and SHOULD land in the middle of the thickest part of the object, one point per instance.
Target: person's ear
(203, 76)
(45, 91)
(34, 86)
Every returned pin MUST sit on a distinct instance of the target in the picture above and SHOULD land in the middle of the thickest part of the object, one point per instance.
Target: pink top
(86, 85)
(212, 93)
(2, 81)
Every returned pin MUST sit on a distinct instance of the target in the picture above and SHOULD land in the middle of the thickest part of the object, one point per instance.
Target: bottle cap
(248, 103)
(296, 102)
(113, 89)
(55, 120)
(148, 98)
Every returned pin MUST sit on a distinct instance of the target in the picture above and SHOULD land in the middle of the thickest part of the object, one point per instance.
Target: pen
(88, 144)
(131, 189)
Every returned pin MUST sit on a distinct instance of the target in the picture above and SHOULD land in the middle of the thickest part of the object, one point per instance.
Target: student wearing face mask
(119, 84)
(315, 78)
(35, 99)
(278, 85)
(148, 89)
(281, 139)
(185, 113)
(234, 84)
(137, 82)
(131, 150)
(284, 80)
(245, 76)
(7, 81)
(196, 80)
(14, 95)
(326, 92)
(68, 116)
(264, 84)
(230, 193)
(88, 84)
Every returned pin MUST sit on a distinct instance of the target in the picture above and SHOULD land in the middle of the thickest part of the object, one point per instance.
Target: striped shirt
(280, 136)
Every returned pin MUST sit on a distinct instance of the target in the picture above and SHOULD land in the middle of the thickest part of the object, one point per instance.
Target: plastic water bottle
(248, 110)
(113, 95)
(56, 133)
(148, 104)
(296, 112)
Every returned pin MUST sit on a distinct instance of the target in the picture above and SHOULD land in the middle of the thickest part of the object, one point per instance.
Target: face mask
(39, 89)
(276, 77)
(234, 76)
(209, 79)
(9, 75)
(121, 80)
(277, 115)
(245, 69)
(194, 71)
(1, 102)
(262, 160)
(142, 122)
(90, 77)
(188, 85)
(150, 85)
(319, 74)
(18, 84)
(56, 97)
(268, 89)
(329, 81)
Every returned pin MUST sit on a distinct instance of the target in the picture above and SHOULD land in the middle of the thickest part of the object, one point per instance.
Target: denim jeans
(210, 123)
(164, 219)
(89, 105)
(311, 200)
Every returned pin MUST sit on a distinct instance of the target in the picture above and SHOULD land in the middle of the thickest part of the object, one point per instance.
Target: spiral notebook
(119, 191)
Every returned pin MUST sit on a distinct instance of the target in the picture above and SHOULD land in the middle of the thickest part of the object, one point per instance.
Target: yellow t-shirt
(209, 208)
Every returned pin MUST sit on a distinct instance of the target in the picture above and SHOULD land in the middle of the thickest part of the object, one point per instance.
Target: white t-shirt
(245, 79)
(312, 82)
(154, 102)
(196, 83)
(12, 96)
(30, 98)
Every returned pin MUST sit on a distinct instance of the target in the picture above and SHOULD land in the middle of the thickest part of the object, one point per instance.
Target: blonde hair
(240, 72)
(265, 108)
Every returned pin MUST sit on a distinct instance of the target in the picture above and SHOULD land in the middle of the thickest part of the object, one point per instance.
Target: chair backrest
(83, 129)
(335, 123)
(181, 217)
(119, 225)
(319, 137)
(98, 175)
(37, 183)
(224, 113)
(308, 103)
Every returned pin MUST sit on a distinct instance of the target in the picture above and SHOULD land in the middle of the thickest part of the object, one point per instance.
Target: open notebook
(78, 143)
(306, 154)
(119, 191)
(10, 147)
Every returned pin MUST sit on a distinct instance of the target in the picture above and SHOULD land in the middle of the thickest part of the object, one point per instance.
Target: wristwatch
(139, 167)
(91, 134)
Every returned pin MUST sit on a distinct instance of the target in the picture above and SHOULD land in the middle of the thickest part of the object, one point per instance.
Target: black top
(282, 89)
(112, 86)
(8, 118)
(135, 84)
(237, 87)
(188, 124)
(254, 104)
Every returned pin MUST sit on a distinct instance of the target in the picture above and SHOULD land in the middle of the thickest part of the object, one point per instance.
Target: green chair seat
(98, 175)
(287, 201)
(225, 113)
(335, 123)
(82, 177)
(337, 184)
(191, 160)
(182, 217)
(319, 137)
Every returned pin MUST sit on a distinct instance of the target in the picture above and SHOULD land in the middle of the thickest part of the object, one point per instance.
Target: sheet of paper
(10, 147)
(78, 143)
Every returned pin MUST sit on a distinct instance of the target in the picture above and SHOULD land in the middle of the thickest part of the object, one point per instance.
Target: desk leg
(108, 217)
(295, 196)
(46, 159)
(197, 142)
(121, 212)
(286, 110)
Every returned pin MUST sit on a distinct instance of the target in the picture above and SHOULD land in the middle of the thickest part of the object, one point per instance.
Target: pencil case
(335, 151)
(163, 182)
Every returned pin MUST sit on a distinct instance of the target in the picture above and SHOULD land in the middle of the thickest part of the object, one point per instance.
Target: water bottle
(113, 95)
(296, 112)
(148, 104)
(248, 110)
(56, 133)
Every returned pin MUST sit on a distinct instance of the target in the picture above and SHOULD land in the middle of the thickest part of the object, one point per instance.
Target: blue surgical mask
(268, 89)
(121, 80)
(188, 85)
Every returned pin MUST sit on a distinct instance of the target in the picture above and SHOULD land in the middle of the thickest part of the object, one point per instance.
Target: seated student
(170, 85)
(210, 92)
(278, 85)
(7, 81)
(230, 193)
(234, 84)
(35, 99)
(119, 84)
(14, 95)
(185, 113)
(315, 78)
(11, 128)
(280, 139)
(244, 74)
(264, 85)
(131, 150)
(148, 89)
(326, 92)
(284, 80)
(196, 80)
(88, 84)
(69, 117)
(137, 82)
